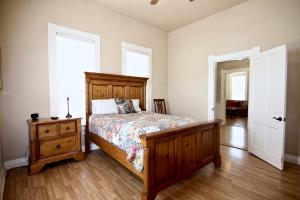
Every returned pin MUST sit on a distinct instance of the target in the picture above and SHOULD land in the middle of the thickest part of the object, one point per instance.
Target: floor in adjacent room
(235, 133)
(242, 176)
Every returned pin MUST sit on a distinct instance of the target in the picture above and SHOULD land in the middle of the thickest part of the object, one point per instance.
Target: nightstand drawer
(45, 131)
(67, 127)
(57, 146)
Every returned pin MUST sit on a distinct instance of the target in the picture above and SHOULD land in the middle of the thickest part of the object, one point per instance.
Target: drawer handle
(58, 146)
(68, 128)
(47, 131)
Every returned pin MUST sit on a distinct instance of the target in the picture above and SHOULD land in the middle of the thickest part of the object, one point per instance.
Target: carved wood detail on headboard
(106, 86)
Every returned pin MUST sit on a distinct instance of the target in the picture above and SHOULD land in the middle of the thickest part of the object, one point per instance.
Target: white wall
(25, 65)
(264, 23)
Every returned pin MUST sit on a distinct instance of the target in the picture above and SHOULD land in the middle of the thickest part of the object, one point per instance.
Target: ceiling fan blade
(153, 2)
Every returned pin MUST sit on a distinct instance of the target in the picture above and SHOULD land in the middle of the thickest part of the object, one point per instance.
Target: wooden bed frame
(169, 155)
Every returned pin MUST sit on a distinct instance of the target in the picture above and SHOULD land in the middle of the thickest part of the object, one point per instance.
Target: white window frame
(53, 30)
(243, 73)
(146, 51)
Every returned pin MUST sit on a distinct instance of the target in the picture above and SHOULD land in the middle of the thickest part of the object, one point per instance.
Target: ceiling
(169, 15)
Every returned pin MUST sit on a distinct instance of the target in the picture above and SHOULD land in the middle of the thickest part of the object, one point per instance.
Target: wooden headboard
(106, 86)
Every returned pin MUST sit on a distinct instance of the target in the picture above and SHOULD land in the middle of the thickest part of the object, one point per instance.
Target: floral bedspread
(123, 130)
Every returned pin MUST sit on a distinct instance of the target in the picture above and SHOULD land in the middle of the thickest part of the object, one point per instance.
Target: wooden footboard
(174, 154)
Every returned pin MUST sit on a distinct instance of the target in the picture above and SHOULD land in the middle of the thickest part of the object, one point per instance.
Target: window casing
(71, 53)
(136, 61)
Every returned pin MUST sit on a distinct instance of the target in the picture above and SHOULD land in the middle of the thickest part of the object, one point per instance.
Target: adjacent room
(232, 91)
(149, 99)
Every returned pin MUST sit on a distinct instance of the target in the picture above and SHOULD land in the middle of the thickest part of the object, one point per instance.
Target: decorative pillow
(125, 106)
(104, 106)
(136, 105)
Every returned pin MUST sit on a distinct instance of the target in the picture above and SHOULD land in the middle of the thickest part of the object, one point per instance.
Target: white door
(212, 65)
(268, 71)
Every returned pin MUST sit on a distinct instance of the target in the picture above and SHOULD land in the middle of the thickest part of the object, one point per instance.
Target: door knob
(278, 118)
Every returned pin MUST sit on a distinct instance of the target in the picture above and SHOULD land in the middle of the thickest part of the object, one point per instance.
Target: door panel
(268, 102)
(258, 137)
(272, 145)
(259, 83)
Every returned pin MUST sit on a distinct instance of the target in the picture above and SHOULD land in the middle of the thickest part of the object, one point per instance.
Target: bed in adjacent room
(160, 149)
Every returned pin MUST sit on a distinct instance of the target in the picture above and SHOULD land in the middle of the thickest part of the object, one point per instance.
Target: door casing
(212, 65)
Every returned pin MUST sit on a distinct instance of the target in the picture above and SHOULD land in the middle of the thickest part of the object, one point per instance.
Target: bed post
(147, 194)
(87, 137)
(217, 158)
(87, 111)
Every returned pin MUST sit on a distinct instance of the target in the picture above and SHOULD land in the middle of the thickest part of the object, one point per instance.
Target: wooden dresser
(53, 140)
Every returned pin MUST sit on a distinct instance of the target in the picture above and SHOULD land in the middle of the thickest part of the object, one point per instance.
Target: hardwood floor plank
(241, 176)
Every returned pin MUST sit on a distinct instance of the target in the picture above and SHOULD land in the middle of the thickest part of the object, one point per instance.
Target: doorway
(232, 92)
(267, 100)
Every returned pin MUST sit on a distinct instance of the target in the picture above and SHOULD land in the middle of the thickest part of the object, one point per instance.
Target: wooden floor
(237, 121)
(242, 176)
(234, 136)
(235, 133)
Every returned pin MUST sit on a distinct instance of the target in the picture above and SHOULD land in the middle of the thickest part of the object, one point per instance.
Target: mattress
(123, 130)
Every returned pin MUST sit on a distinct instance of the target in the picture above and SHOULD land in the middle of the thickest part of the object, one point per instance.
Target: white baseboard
(292, 159)
(20, 162)
(93, 147)
(2, 181)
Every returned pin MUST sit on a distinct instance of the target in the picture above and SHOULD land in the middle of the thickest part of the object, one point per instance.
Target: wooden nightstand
(53, 140)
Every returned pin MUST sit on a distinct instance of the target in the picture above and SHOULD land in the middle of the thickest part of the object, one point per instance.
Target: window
(137, 64)
(238, 84)
(136, 61)
(71, 53)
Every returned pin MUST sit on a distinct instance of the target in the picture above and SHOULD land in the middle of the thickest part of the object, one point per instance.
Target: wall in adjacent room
(25, 72)
(264, 23)
(228, 65)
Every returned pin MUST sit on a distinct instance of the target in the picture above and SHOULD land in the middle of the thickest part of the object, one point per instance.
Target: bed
(166, 155)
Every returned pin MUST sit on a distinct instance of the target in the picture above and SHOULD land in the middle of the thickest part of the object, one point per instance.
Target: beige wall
(2, 177)
(228, 65)
(264, 23)
(25, 70)
(1, 66)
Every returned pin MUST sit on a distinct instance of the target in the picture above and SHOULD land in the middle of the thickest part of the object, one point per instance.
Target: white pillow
(136, 105)
(104, 106)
